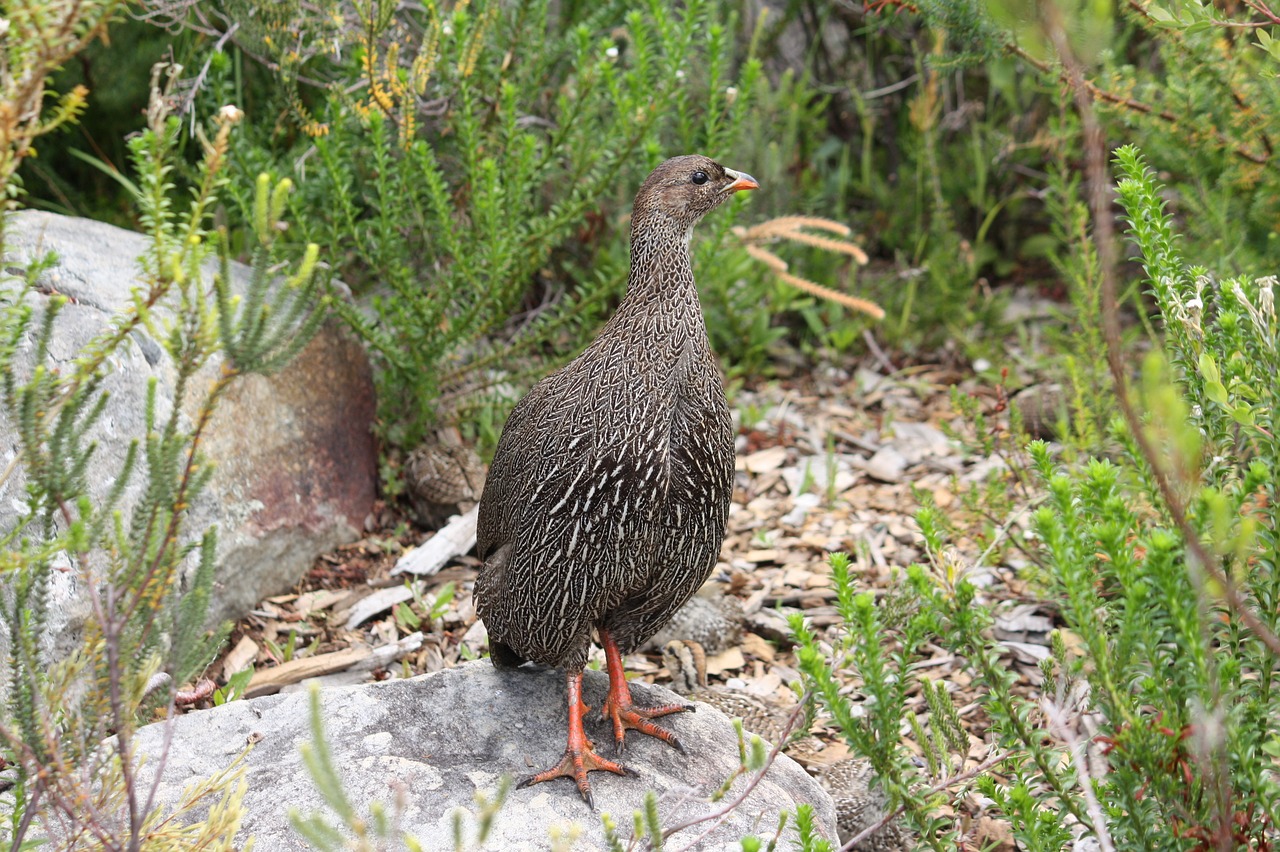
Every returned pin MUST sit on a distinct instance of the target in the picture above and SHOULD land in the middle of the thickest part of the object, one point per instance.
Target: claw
(579, 754)
(624, 713)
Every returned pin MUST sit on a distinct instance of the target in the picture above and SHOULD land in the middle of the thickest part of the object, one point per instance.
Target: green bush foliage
(67, 724)
(1159, 722)
(448, 219)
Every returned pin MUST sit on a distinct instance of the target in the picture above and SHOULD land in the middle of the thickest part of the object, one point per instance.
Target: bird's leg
(579, 757)
(623, 712)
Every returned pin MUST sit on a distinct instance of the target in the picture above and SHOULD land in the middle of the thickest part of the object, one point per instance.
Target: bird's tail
(504, 656)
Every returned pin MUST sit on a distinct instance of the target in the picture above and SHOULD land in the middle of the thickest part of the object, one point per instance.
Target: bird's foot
(625, 714)
(579, 753)
(578, 760)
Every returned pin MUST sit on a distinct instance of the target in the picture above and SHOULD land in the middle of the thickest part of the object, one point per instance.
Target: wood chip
(317, 600)
(770, 458)
(1025, 652)
(730, 660)
(242, 655)
(1024, 624)
(269, 681)
(457, 538)
(757, 647)
(887, 465)
(992, 834)
(380, 601)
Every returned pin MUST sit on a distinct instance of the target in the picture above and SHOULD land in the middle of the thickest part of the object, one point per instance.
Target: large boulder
(437, 740)
(295, 459)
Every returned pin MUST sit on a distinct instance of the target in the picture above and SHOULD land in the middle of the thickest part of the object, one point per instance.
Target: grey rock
(887, 465)
(434, 741)
(296, 463)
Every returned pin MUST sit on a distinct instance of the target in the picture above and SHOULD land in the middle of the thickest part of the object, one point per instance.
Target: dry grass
(790, 228)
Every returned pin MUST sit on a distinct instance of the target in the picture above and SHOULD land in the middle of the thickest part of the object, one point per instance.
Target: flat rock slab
(434, 741)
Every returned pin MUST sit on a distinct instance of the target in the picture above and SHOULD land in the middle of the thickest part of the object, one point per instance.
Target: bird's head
(684, 189)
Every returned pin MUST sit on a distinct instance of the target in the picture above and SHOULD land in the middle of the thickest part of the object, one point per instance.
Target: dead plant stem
(967, 775)
(718, 816)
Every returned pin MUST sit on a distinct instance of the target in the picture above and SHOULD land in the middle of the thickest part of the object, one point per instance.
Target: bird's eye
(699, 178)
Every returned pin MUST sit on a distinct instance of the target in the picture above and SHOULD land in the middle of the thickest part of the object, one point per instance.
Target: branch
(928, 791)
(1074, 77)
(720, 815)
(1059, 725)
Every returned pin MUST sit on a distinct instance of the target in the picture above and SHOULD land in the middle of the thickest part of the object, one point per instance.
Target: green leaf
(1209, 368)
(1242, 414)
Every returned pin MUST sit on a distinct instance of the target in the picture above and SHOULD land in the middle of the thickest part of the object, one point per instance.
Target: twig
(879, 354)
(197, 82)
(872, 94)
(1001, 532)
(1058, 724)
(936, 788)
(162, 759)
(201, 691)
(720, 815)
(1078, 82)
(28, 814)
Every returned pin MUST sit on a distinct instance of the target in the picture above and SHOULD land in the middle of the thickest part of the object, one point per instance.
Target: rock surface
(436, 740)
(296, 463)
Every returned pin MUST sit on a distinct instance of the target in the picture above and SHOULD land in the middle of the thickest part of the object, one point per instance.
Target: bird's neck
(659, 323)
(661, 283)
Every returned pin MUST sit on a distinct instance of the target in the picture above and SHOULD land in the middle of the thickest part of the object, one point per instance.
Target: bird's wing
(569, 458)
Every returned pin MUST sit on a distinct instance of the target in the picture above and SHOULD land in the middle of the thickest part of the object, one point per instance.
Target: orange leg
(579, 758)
(624, 713)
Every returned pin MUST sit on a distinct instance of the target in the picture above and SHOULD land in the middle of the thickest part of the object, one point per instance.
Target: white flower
(231, 113)
(4, 27)
(612, 52)
(679, 74)
(731, 94)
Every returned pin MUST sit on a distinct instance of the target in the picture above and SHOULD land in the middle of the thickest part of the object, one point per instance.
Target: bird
(606, 500)
(711, 618)
(859, 804)
(686, 662)
(442, 477)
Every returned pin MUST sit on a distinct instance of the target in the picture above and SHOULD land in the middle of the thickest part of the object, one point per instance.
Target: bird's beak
(741, 180)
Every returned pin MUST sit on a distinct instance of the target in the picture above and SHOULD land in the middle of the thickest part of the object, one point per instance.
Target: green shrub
(68, 723)
(478, 171)
(1159, 721)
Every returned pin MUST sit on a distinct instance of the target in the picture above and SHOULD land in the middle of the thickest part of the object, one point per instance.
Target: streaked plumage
(606, 501)
(711, 618)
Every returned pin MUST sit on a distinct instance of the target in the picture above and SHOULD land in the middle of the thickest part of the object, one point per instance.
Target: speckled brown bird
(442, 477)
(711, 618)
(686, 662)
(605, 505)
